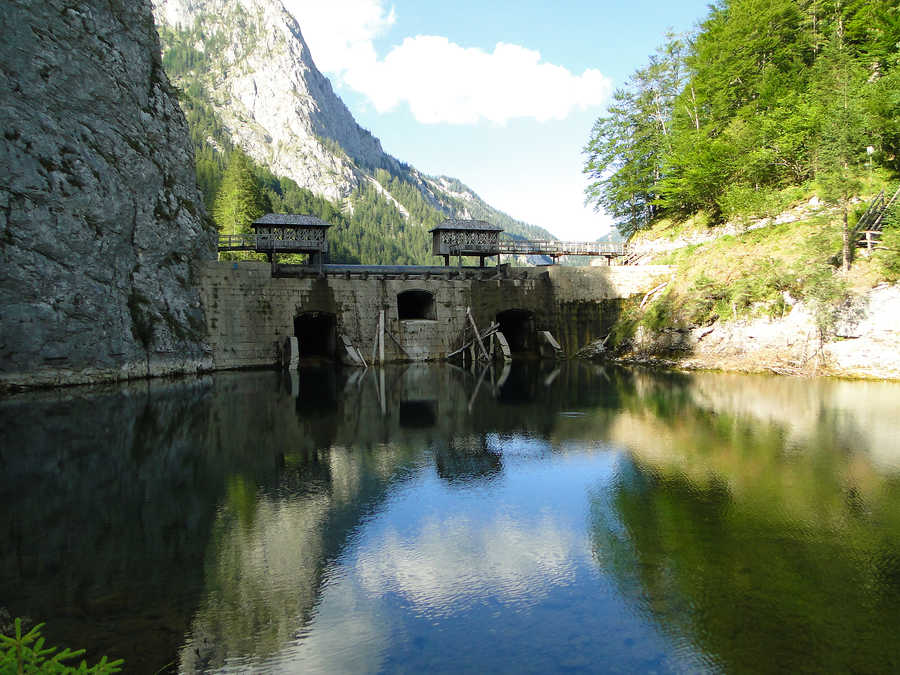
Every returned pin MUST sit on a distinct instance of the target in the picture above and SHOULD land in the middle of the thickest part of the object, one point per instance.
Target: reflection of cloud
(452, 562)
(348, 636)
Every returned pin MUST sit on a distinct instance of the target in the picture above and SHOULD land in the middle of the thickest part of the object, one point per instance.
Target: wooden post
(477, 334)
(381, 337)
(375, 345)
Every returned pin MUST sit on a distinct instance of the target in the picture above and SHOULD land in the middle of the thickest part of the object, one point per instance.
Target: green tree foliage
(26, 653)
(240, 199)
(419, 209)
(766, 94)
(843, 127)
(628, 146)
(380, 235)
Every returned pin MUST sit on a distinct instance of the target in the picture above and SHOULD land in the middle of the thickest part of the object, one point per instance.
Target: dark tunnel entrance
(517, 326)
(415, 304)
(317, 334)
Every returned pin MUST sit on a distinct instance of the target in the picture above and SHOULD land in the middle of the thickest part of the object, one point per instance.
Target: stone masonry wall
(250, 313)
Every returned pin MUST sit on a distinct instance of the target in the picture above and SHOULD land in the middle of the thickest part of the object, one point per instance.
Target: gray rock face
(268, 92)
(100, 216)
(260, 79)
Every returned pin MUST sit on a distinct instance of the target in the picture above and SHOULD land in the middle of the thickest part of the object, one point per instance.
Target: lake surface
(424, 518)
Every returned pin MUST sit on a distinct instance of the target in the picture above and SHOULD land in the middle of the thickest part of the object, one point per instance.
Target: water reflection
(540, 518)
(759, 519)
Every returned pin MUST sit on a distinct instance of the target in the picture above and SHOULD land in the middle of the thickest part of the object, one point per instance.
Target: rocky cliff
(265, 87)
(100, 216)
(248, 60)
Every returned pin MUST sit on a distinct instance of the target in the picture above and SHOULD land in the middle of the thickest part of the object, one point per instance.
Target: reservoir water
(423, 518)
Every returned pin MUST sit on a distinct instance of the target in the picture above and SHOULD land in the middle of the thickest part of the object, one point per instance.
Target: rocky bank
(863, 343)
(100, 216)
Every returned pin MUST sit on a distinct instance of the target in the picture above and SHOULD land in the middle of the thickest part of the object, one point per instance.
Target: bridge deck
(436, 272)
(554, 249)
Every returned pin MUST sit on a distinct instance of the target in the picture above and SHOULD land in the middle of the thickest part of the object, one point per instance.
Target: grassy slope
(758, 272)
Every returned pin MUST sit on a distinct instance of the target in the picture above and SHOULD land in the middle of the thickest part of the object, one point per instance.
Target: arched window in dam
(416, 304)
(517, 326)
(317, 334)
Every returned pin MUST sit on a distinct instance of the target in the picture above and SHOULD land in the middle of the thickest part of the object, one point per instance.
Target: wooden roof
(454, 224)
(288, 220)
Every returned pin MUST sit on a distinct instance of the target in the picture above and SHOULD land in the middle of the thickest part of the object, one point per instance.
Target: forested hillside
(384, 219)
(743, 155)
(766, 95)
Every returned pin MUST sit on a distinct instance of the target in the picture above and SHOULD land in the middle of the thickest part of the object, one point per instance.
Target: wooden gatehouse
(466, 237)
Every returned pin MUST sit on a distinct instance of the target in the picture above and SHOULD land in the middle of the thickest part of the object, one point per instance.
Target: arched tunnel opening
(316, 334)
(415, 304)
(517, 326)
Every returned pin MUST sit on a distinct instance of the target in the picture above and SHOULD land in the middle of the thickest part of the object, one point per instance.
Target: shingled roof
(454, 224)
(288, 220)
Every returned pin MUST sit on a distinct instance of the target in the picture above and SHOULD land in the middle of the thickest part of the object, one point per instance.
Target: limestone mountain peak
(265, 86)
(249, 61)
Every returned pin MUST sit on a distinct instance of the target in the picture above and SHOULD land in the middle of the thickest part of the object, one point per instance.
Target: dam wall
(249, 312)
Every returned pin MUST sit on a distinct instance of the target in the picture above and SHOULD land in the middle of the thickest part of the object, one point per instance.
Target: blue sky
(500, 95)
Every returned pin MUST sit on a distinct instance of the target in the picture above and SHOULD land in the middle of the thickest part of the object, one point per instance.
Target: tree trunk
(845, 240)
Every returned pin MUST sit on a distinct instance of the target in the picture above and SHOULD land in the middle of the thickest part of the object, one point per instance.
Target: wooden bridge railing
(266, 243)
(870, 225)
(560, 248)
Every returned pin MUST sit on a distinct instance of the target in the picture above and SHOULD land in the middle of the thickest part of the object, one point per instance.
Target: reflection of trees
(766, 553)
(103, 493)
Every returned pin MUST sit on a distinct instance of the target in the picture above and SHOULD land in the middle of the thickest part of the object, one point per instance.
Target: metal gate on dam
(409, 314)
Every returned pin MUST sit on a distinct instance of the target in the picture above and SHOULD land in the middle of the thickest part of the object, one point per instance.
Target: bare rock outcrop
(864, 342)
(100, 216)
(268, 92)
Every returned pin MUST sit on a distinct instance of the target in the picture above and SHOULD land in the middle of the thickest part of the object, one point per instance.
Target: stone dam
(250, 312)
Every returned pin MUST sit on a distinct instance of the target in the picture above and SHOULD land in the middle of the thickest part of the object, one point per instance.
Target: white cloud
(440, 81)
(340, 33)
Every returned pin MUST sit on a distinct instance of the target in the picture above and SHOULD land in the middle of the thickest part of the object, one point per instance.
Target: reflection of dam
(111, 499)
(338, 469)
(235, 520)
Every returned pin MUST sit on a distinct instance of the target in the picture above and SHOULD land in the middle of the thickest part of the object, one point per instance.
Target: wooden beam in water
(477, 334)
(381, 337)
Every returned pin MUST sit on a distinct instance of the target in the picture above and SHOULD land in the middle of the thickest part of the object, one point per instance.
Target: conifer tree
(240, 200)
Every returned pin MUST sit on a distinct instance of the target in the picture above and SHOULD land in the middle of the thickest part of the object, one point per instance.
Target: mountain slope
(245, 62)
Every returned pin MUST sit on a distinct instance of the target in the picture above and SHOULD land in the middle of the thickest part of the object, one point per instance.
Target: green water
(424, 518)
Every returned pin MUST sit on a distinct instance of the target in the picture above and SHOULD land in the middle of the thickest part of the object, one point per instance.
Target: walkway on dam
(552, 249)
(557, 249)
(402, 272)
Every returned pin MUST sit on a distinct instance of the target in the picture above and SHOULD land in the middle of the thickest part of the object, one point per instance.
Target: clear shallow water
(423, 518)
